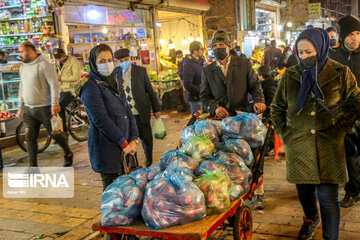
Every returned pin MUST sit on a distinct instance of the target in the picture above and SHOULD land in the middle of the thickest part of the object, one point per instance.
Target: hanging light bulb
(162, 41)
(105, 30)
(184, 41)
(199, 39)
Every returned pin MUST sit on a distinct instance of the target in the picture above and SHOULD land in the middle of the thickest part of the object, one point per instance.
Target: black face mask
(220, 53)
(309, 61)
(333, 42)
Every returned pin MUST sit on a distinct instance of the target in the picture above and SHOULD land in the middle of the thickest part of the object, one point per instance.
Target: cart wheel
(242, 224)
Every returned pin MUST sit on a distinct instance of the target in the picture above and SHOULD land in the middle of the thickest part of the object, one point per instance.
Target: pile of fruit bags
(211, 168)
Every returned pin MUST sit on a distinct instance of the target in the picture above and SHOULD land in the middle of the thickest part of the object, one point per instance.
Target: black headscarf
(110, 80)
(310, 77)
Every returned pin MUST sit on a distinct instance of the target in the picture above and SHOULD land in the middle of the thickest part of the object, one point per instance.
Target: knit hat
(122, 53)
(220, 36)
(348, 24)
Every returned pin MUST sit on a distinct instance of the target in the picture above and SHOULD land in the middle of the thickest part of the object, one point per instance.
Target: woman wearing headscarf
(112, 130)
(316, 102)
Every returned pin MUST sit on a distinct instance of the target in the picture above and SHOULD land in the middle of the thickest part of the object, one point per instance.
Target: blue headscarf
(310, 77)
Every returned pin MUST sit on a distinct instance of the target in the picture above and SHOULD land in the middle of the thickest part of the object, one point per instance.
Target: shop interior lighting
(158, 24)
(105, 30)
(184, 41)
(162, 41)
(93, 14)
(289, 24)
(199, 39)
(279, 27)
(191, 38)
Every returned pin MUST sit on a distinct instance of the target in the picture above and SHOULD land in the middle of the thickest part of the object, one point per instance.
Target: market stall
(87, 25)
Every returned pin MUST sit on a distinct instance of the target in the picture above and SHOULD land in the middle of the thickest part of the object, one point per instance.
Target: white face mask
(106, 69)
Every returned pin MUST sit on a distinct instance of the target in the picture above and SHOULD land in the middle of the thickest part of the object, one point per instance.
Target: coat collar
(327, 74)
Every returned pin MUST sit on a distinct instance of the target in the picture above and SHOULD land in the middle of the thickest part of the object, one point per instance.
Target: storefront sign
(314, 10)
(299, 10)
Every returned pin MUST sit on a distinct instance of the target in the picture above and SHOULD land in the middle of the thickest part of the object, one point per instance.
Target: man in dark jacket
(349, 54)
(192, 70)
(272, 55)
(269, 86)
(334, 38)
(226, 82)
(139, 94)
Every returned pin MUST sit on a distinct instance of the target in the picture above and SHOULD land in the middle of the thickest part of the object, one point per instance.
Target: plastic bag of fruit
(216, 188)
(153, 170)
(180, 169)
(122, 200)
(247, 126)
(170, 201)
(239, 174)
(198, 148)
(173, 155)
(208, 130)
(241, 148)
(209, 165)
(187, 134)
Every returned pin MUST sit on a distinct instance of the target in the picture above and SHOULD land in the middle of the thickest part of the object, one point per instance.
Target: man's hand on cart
(221, 112)
(19, 113)
(259, 107)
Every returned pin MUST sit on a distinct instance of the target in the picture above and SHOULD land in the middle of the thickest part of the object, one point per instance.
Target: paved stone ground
(73, 218)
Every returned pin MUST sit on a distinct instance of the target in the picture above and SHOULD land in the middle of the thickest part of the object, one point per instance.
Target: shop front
(267, 26)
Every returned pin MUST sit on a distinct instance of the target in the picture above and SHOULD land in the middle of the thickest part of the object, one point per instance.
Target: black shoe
(68, 160)
(308, 229)
(259, 202)
(349, 201)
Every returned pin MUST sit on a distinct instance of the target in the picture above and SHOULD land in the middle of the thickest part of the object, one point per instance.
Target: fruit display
(216, 188)
(198, 148)
(187, 134)
(170, 201)
(280, 73)
(6, 115)
(258, 56)
(121, 202)
(239, 174)
(242, 149)
(247, 126)
(167, 65)
(175, 155)
(153, 171)
(207, 130)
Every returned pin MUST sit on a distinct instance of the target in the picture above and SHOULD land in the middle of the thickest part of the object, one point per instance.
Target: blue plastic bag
(169, 201)
(173, 155)
(187, 134)
(241, 148)
(247, 126)
(239, 174)
(209, 165)
(208, 130)
(152, 171)
(121, 202)
(180, 169)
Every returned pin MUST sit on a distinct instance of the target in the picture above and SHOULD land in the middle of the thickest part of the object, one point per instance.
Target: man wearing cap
(68, 74)
(226, 82)
(140, 94)
(349, 54)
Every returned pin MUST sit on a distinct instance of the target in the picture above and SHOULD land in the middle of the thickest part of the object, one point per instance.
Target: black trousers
(33, 118)
(352, 187)
(108, 178)
(65, 99)
(145, 135)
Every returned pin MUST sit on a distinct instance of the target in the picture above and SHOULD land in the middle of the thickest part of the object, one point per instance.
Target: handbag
(130, 163)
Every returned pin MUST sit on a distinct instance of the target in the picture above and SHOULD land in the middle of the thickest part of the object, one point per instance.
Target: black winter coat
(347, 58)
(230, 92)
(192, 70)
(269, 86)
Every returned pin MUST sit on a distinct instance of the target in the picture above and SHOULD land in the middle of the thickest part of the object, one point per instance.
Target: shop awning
(171, 5)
